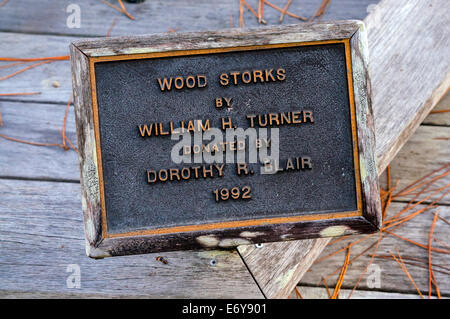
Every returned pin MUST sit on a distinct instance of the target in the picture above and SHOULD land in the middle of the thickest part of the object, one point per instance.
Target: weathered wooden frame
(100, 244)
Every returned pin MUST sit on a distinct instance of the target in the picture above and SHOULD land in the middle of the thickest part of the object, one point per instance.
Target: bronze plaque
(195, 146)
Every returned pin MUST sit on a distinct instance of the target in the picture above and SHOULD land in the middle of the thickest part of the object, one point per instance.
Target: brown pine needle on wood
(341, 275)
(298, 294)
(437, 250)
(108, 34)
(425, 183)
(332, 242)
(326, 287)
(125, 10)
(442, 218)
(122, 8)
(24, 69)
(231, 20)
(20, 93)
(287, 12)
(249, 7)
(418, 262)
(433, 279)
(1, 119)
(441, 243)
(430, 268)
(57, 58)
(380, 236)
(353, 259)
(29, 142)
(402, 265)
(397, 220)
(343, 249)
(241, 14)
(10, 65)
(389, 193)
(72, 146)
(262, 11)
(440, 111)
(259, 11)
(3, 3)
(322, 9)
(408, 189)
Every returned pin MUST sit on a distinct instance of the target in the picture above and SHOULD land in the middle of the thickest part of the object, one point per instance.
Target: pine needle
(430, 267)
(287, 12)
(23, 70)
(57, 58)
(20, 93)
(249, 7)
(342, 275)
(298, 294)
(402, 265)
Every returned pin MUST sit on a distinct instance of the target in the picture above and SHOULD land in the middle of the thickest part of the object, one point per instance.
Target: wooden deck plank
(392, 278)
(407, 80)
(41, 234)
(158, 16)
(39, 79)
(41, 123)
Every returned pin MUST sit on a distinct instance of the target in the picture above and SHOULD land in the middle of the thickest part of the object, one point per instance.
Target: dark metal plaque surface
(129, 95)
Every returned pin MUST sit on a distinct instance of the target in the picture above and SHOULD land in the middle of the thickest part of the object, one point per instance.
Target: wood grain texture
(409, 67)
(392, 278)
(227, 38)
(41, 123)
(276, 274)
(365, 127)
(160, 15)
(41, 78)
(42, 233)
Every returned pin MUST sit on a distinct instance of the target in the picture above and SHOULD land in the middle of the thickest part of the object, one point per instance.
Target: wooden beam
(409, 69)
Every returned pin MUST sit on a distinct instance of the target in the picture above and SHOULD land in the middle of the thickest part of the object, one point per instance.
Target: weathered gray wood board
(42, 123)
(392, 278)
(159, 16)
(277, 276)
(41, 235)
(39, 79)
(409, 67)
